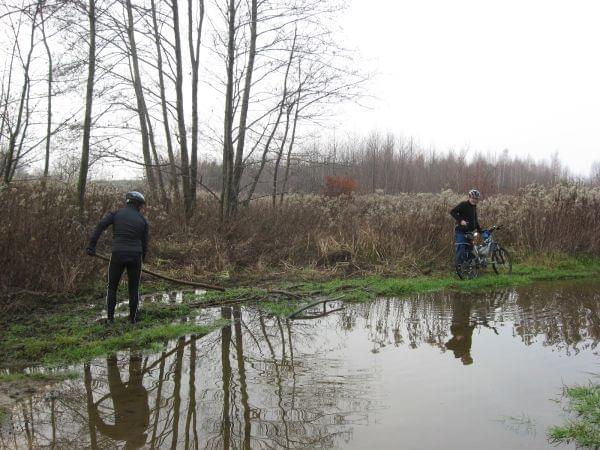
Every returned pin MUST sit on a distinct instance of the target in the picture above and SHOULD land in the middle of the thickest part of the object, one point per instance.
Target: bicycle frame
(475, 251)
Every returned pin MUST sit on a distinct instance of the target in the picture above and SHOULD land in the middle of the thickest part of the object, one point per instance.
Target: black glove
(91, 251)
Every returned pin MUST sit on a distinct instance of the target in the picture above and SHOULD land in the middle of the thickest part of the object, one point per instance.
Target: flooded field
(428, 372)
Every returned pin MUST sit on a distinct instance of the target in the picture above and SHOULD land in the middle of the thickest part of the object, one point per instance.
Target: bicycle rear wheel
(468, 269)
(501, 261)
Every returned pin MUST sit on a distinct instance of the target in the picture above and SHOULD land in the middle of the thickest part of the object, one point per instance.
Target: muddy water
(435, 371)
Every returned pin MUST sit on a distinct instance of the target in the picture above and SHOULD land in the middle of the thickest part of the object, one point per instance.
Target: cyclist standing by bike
(465, 214)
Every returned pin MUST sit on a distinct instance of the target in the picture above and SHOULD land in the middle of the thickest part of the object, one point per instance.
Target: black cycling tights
(133, 263)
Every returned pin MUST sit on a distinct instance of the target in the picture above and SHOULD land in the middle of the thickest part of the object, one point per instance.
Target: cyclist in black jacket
(465, 214)
(129, 244)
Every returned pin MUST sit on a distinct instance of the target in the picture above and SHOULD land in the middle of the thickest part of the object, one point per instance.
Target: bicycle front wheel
(501, 261)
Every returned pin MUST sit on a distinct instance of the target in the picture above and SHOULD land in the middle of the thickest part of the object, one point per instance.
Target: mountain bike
(479, 256)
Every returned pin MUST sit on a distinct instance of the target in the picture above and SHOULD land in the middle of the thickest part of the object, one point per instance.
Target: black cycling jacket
(130, 230)
(467, 212)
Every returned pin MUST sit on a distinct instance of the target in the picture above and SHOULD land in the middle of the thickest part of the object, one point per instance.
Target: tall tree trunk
(163, 103)
(241, 138)
(226, 191)
(141, 102)
(195, 59)
(49, 109)
(185, 162)
(87, 121)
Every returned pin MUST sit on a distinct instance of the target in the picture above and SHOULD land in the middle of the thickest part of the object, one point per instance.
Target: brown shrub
(336, 186)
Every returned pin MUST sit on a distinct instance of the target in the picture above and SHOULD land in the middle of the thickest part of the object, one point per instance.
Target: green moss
(584, 402)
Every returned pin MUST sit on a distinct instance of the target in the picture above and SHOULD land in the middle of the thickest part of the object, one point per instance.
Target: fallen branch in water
(318, 316)
(310, 305)
(173, 280)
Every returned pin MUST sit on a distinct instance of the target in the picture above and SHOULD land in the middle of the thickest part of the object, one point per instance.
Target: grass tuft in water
(584, 402)
(280, 308)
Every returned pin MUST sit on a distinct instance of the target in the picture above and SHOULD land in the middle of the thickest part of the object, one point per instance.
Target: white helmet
(474, 193)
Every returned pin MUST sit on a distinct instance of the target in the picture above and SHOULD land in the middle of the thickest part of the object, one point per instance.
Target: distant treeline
(393, 165)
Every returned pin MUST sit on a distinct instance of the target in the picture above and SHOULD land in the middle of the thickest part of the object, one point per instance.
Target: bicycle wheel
(468, 269)
(501, 261)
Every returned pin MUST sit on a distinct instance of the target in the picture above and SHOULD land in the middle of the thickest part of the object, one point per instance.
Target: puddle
(167, 298)
(429, 372)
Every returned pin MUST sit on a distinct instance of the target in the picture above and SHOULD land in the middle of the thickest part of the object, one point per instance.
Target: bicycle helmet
(474, 193)
(135, 197)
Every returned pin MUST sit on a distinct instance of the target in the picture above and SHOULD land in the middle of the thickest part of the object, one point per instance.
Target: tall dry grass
(42, 239)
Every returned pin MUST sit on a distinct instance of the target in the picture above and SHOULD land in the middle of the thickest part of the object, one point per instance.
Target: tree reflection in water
(265, 382)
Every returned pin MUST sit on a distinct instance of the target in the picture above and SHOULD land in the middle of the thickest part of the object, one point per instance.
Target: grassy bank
(541, 268)
(73, 332)
(584, 403)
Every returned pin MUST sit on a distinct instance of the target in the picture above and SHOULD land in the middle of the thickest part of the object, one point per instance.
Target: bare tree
(11, 158)
(163, 102)
(49, 109)
(185, 163)
(141, 102)
(195, 61)
(89, 98)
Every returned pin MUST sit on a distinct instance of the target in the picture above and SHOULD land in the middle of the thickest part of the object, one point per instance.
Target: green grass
(280, 308)
(73, 333)
(584, 402)
(46, 377)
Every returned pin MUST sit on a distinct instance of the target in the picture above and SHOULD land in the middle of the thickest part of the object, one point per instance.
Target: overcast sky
(484, 75)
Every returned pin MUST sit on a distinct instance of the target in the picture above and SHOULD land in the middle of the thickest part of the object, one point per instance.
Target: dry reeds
(42, 239)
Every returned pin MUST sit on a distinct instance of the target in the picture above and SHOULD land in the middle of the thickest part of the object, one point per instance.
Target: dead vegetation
(42, 237)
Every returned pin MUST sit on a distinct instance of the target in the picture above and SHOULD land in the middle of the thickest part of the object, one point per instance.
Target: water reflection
(129, 410)
(267, 382)
(462, 331)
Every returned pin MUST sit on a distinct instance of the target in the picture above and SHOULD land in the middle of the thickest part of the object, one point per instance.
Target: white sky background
(484, 75)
